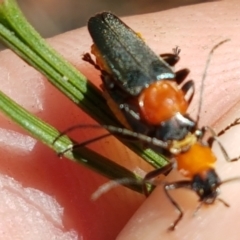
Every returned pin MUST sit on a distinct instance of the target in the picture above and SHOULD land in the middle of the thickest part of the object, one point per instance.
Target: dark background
(51, 17)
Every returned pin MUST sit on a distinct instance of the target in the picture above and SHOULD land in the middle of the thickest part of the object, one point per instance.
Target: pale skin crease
(196, 31)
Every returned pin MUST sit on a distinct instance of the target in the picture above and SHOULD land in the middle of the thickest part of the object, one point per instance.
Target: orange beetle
(146, 95)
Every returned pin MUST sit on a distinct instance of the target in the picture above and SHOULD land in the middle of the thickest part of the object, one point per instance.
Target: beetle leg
(236, 122)
(181, 75)
(87, 58)
(214, 137)
(127, 109)
(171, 58)
(173, 186)
(189, 88)
(164, 170)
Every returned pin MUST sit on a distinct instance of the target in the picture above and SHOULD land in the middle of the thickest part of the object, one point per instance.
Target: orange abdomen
(161, 101)
(196, 160)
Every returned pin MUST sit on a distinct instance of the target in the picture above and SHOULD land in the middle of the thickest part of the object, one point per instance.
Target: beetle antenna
(205, 74)
(230, 180)
(106, 187)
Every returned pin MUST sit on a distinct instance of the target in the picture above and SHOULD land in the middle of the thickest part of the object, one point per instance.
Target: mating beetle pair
(148, 99)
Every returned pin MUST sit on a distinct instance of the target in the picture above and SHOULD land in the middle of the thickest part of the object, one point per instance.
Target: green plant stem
(48, 134)
(19, 35)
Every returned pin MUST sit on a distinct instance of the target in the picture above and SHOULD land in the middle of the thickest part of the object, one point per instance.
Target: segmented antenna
(204, 76)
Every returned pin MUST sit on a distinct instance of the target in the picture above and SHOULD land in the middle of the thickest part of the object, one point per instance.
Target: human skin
(196, 29)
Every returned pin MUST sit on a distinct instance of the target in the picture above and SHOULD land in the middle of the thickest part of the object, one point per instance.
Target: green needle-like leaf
(48, 134)
(19, 35)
